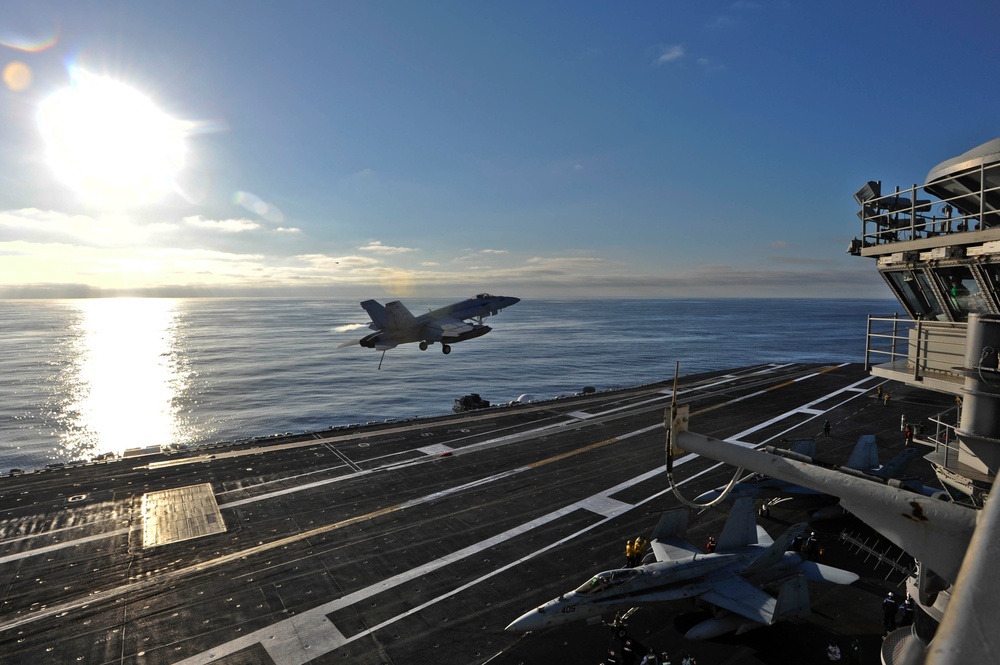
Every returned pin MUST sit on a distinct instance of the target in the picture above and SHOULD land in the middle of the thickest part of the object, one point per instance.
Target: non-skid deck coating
(182, 513)
(419, 541)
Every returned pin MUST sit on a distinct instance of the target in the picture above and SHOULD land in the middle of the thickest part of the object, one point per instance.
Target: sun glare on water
(110, 143)
(127, 382)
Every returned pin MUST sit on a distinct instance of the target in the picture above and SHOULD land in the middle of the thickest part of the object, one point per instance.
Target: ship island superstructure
(937, 246)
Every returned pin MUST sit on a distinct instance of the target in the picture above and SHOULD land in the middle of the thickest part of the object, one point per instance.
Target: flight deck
(418, 541)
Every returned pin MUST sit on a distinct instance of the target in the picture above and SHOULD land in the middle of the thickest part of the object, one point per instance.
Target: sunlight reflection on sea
(124, 381)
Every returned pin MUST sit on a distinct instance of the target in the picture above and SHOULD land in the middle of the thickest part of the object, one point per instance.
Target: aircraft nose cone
(528, 621)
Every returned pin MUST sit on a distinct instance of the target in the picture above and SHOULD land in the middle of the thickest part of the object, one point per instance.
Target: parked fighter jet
(730, 580)
(773, 492)
(394, 324)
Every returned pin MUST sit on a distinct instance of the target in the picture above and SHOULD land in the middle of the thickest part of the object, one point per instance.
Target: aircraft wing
(673, 549)
(735, 594)
(444, 327)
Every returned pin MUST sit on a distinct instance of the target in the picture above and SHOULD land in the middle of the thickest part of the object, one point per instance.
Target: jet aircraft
(394, 324)
(776, 493)
(730, 580)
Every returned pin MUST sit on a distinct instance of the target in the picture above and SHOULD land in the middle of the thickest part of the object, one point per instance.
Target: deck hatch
(183, 513)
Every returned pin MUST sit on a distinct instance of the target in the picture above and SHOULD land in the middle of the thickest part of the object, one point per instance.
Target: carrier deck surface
(416, 541)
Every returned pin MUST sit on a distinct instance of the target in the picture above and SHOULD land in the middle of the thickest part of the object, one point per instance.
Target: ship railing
(944, 437)
(915, 213)
(915, 347)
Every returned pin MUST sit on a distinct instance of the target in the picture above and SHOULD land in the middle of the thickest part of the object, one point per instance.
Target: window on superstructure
(937, 310)
(909, 291)
(992, 272)
(962, 292)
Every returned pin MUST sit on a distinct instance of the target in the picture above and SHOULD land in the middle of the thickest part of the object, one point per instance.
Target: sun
(109, 142)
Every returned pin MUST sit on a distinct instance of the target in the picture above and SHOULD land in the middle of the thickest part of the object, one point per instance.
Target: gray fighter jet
(731, 580)
(394, 324)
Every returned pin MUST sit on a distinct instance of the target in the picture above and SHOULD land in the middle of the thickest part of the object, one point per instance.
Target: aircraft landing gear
(445, 349)
(423, 346)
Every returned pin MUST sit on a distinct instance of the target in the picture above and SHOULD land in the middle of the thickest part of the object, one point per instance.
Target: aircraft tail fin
(377, 313)
(865, 454)
(896, 467)
(793, 600)
(740, 529)
(399, 318)
(806, 446)
(773, 554)
(673, 524)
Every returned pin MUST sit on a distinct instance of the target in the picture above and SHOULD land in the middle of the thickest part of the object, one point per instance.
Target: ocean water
(79, 378)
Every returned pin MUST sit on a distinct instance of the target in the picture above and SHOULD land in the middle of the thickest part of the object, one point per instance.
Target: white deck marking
(436, 449)
(605, 506)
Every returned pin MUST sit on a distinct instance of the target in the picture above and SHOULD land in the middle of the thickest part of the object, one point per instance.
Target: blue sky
(555, 149)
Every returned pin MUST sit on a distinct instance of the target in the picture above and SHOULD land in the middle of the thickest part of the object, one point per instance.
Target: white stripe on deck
(436, 449)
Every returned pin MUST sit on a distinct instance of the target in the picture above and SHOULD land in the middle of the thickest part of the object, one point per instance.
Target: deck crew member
(889, 608)
(637, 549)
(812, 547)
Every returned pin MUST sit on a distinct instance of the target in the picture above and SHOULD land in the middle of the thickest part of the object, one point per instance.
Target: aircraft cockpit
(483, 295)
(607, 580)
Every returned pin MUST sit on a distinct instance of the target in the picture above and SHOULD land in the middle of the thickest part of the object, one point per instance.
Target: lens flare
(17, 76)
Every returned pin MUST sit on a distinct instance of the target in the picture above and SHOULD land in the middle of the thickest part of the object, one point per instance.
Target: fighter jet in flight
(394, 324)
(732, 580)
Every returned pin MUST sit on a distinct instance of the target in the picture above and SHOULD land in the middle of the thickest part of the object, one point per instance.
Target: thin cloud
(377, 247)
(222, 225)
(722, 22)
(670, 54)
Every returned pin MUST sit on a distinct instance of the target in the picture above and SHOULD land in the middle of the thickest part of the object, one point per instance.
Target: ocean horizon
(87, 377)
